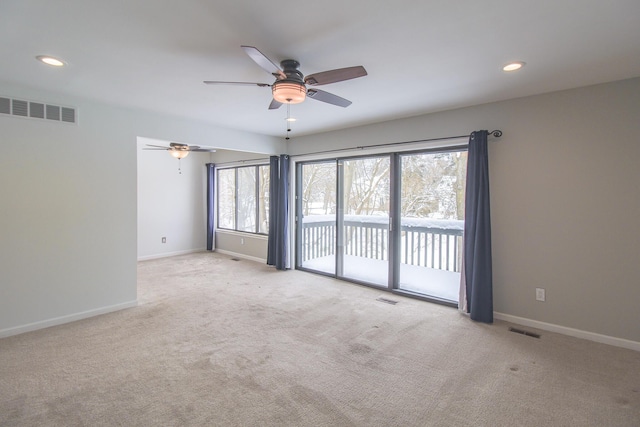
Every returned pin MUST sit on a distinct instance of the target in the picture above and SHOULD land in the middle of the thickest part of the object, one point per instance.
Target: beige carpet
(218, 342)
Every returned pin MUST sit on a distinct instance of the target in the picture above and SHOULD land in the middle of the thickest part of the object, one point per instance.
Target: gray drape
(210, 206)
(477, 231)
(277, 246)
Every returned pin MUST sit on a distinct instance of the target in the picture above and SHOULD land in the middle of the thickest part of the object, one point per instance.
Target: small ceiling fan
(290, 86)
(180, 151)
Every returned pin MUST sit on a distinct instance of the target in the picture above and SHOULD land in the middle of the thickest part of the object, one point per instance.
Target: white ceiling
(421, 56)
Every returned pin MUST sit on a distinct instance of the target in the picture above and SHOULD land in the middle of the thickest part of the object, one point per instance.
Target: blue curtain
(477, 231)
(274, 176)
(210, 205)
(278, 212)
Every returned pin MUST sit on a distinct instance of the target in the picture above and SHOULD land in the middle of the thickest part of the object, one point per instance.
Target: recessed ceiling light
(513, 66)
(290, 119)
(50, 60)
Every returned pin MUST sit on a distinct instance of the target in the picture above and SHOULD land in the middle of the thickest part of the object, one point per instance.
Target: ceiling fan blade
(333, 76)
(329, 98)
(204, 150)
(264, 62)
(157, 147)
(211, 82)
(274, 105)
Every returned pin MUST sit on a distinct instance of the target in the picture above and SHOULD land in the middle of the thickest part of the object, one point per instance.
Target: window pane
(247, 199)
(243, 199)
(263, 201)
(366, 186)
(318, 203)
(226, 198)
(432, 223)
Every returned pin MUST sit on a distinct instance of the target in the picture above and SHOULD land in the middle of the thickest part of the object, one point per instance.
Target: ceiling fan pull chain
(179, 166)
(288, 121)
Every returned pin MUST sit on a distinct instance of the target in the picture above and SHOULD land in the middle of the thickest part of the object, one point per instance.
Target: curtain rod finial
(497, 133)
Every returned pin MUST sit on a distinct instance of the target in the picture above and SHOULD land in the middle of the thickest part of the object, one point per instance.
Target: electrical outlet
(540, 294)
(242, 240)
(164, 240)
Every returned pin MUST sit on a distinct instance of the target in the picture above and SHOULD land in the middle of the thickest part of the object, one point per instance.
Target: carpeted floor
(218, 342)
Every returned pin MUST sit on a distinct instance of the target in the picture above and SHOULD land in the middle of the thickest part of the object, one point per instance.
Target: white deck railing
(427, 243)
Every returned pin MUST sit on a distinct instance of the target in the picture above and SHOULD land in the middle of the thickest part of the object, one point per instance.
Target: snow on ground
(443, 224)
(427, 281)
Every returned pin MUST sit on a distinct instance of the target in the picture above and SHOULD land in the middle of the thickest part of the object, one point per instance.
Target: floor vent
(388, 301)
(37, 110)
(523, 332)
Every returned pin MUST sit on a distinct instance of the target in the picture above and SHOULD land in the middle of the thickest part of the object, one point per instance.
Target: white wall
(171, 201)
(68, 217)
(564, 195)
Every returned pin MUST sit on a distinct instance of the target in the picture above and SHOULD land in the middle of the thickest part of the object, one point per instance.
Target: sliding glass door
(393, 221)
(316, 216)
(365, 220)
(432, 222)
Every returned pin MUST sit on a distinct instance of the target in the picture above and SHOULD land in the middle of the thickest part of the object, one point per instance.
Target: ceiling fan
(180, 151)
(290, 86)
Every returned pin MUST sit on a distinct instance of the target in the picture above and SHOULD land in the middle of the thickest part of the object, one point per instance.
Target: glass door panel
(432, 223)
(364, 242)
(317, 216)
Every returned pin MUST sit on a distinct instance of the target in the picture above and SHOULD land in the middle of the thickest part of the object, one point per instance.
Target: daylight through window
(243, 199)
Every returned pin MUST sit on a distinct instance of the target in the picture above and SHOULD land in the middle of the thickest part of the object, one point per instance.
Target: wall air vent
(53, 112)
(68, 115)
(5, 106)
(19, 108)
(37, 110)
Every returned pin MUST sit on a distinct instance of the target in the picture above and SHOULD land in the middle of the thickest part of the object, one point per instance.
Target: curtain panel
(477, 275)
(277, 246)
(211, 176)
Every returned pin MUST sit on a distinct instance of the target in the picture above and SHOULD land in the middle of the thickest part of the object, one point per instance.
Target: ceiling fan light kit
(288, 92)
(179, 154)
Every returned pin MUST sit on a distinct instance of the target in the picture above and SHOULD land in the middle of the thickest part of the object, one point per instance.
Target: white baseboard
(591, 336)
(243, 256)
(65, 319)
(169, 254)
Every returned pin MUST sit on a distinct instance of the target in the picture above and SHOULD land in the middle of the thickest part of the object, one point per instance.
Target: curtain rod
(495, 133)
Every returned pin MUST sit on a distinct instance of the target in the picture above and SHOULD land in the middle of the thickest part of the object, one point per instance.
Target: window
(243, 199)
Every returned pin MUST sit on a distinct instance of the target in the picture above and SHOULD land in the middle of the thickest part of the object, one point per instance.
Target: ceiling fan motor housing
(292, 89)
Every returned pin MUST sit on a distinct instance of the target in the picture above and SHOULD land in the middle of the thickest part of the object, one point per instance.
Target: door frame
(394, 209)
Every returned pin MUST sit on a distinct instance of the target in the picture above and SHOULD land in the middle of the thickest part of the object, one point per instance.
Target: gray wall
(248, 245)
(564, 199)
